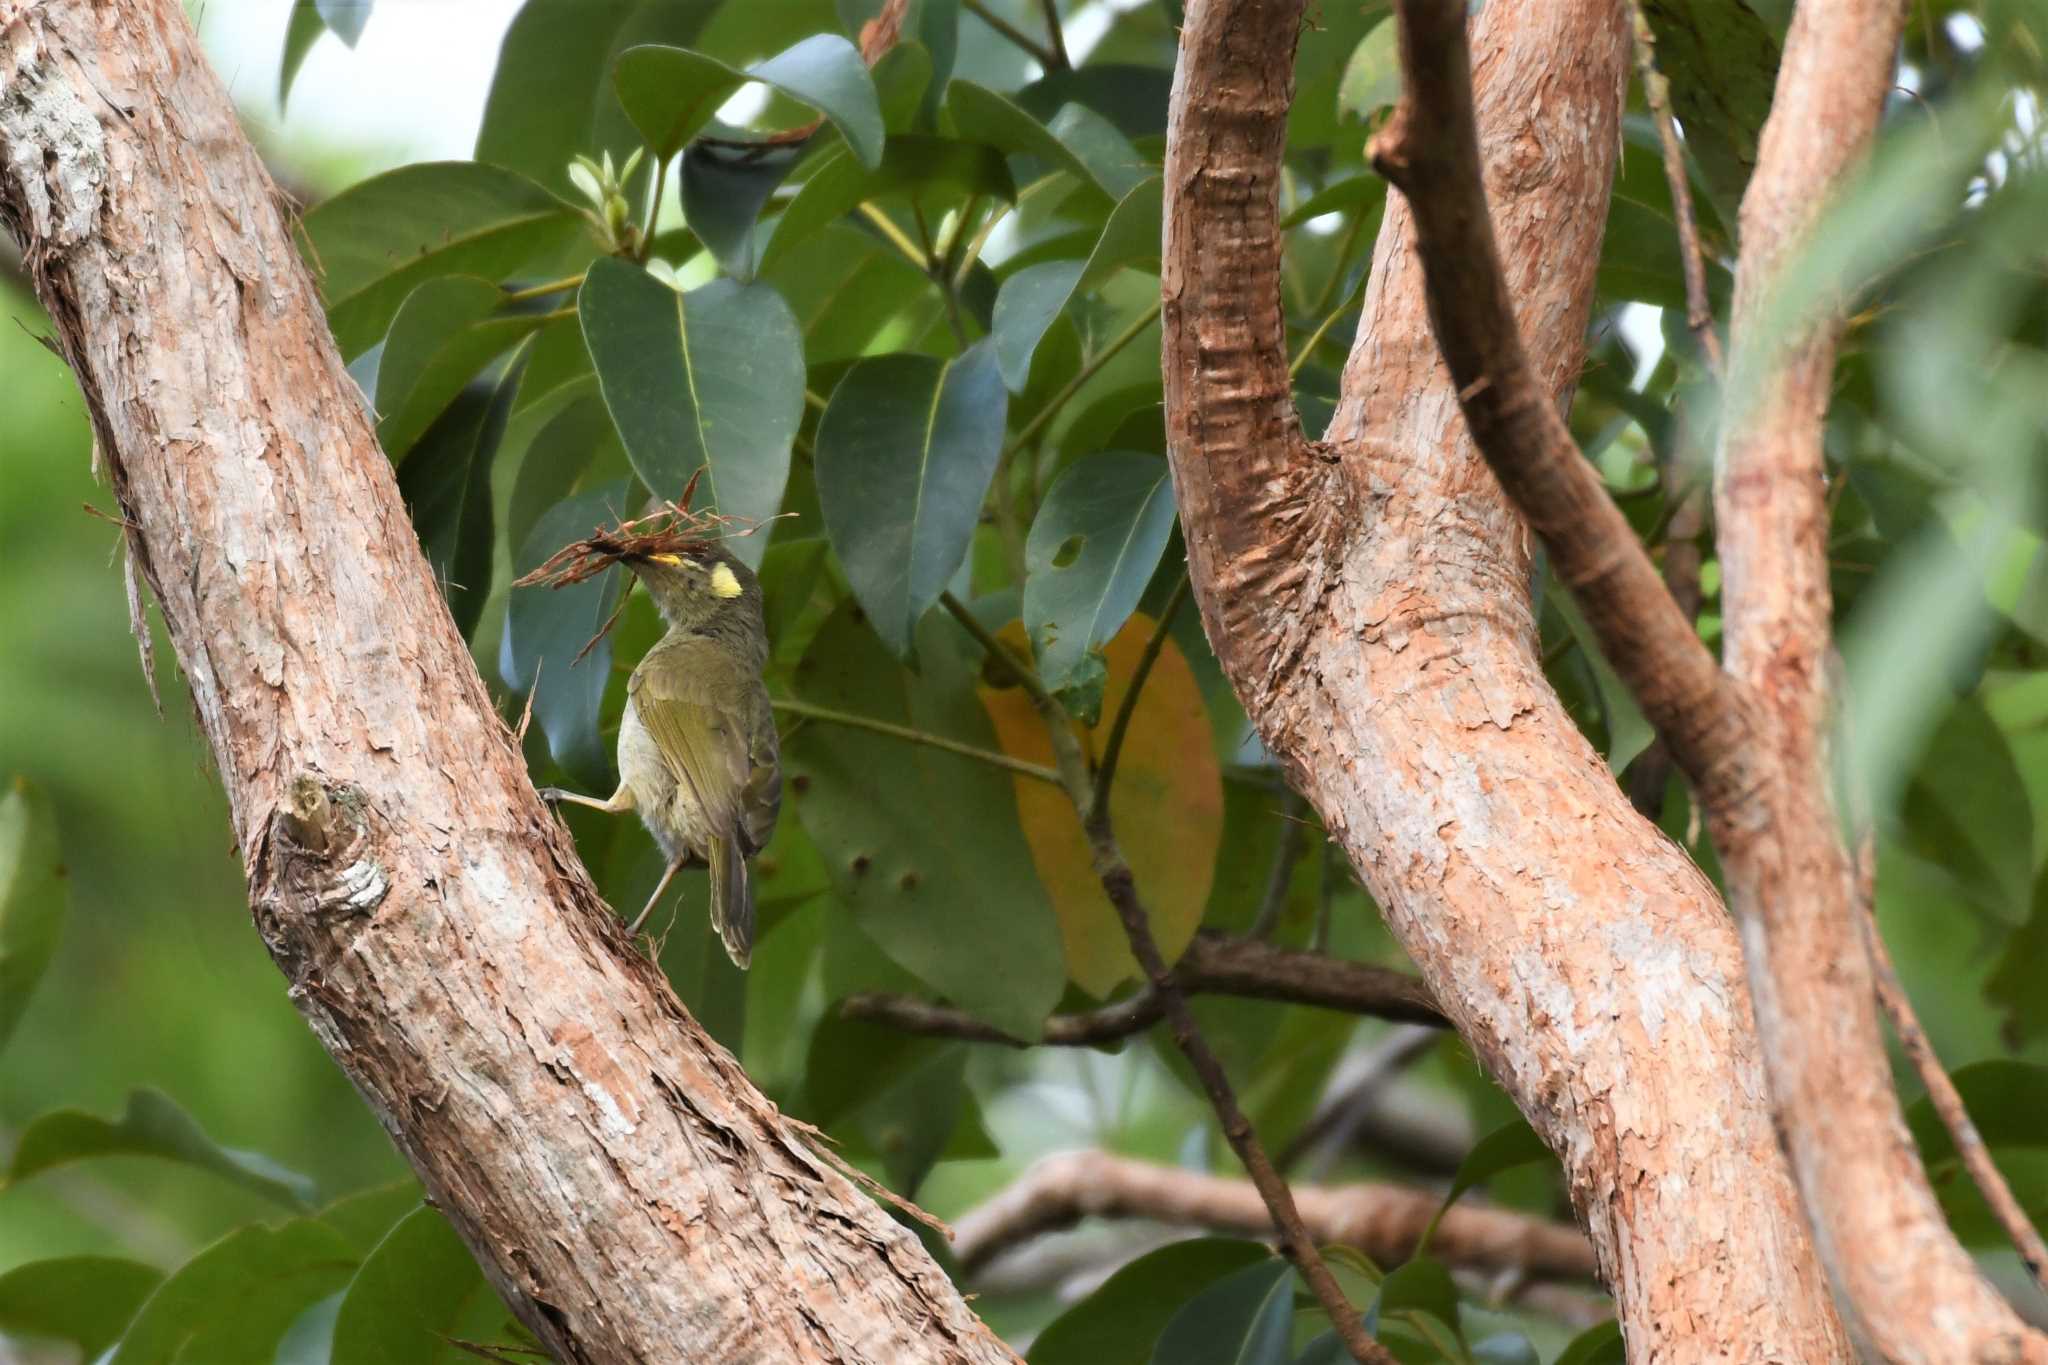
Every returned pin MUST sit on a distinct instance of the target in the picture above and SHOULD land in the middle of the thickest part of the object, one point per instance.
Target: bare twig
(1056, 37)
(1382, 1220)
(1699, 311)
(1212, 965)
(1121, 888)
(1017, 37)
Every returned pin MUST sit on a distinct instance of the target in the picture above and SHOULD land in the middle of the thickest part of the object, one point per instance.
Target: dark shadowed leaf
(447, 489)
(363, 1218)
(1092, 549)
(906, 449)
(375, 242)
(981, 115)
(1512, 1144)
(932, 172)
(85, 1300)
(671, 93)
(1599, 1345)
(1721, 58)
(2006, 1100)
(300, 34)
(941, 881)
(35, 891)
(417, 1289)
(1421, 1285)
(545, 628)
(235, 1300)
(575, 439)
(1031, 298)
(723, 189)
(1120, 1321)
(1966, 810)
(1242, 1319)
(552, 97)
(344, 18)
(2015, 982)
(905, 1099)
(711, 379)
(151, 1125)
(444, 336)
(1133, 98)
(847, 289)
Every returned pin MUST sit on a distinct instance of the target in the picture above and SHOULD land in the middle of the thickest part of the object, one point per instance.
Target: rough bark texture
(624, 1186)
(1914, 1294)
(1370, 601)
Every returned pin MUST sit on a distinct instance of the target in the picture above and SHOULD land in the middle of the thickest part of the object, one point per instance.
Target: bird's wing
(703, 741)
(761, 800)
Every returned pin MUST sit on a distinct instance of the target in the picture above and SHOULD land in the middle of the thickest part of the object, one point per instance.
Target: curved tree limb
(624, 1187)
(1369, 602)
(1384, 1221)
(1212, 965)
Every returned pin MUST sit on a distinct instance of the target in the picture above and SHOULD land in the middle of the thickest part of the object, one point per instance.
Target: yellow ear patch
(673, 561)
(723, 583)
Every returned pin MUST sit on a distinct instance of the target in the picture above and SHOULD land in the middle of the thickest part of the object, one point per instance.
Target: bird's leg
(621, 800)
(655, 899)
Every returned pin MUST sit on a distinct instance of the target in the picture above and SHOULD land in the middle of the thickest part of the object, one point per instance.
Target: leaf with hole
(1092, 549)
(906, 448)
(671, 93)
(1166, 806)
(711, 379)
(374, 243)
(922, 845)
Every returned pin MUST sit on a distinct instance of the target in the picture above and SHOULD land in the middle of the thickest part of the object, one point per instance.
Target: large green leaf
(447, 489)
(1512, 1144)
(444, 335)
(552, 97)
(1372, 75)
(906, 449)
(545, 629)
(671, 93)
(418, 1289)
(931, 172)
(1598, 1345)
(711, 379)
(922, 845)
(34, 894)
(85, 1300)
(723, 191)
(235, 1300)
(1966, 810)
(151, 1125)
(1092, 549)
(1032, 297)
(848, 289)
(981, 115)
(375, 242)
(901, 1100)
(1120, 1321)
(1721, 58)
(1243, 1319)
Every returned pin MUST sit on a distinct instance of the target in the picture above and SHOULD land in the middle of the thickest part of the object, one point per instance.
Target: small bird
(697, 746)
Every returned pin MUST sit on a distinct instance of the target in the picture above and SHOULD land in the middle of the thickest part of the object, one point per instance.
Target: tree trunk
(624, 1186)
(1369, 599)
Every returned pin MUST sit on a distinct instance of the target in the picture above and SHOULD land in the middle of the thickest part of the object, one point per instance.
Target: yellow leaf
(1166, 807)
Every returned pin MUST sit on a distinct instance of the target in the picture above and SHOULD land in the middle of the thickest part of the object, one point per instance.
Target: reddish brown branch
(1383, 1221)
(1699, 309)
(1212, 965)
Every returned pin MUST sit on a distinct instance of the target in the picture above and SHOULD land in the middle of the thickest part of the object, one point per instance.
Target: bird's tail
(732, 899)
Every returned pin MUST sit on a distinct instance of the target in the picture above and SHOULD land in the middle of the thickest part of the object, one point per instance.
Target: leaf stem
(646, 247)
(1113, 747)
(539, 291)
(1086, 373)
(886, 225)
(1056, 36)
(1315, 339)
(828, 716)
(1015, 35)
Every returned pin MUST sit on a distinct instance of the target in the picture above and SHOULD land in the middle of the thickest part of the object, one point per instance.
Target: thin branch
(1430, 151)
(1699, 310)
(1121, 888)
(1113, 746)
(1056, 35)
(1213, 964)
(1016, 36)
(993, 758)
(1382, 1220)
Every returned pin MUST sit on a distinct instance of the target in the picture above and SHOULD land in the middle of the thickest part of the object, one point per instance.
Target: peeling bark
(626, 1189)
(1370, 601)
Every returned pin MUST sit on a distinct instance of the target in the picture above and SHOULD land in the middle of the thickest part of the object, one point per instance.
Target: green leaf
(1628, 733)
(906, 449)
(1112, 161)
(151, 1125)
(2015, 982)
(671, 93)
(344, 18)
(552, 98)
(444, 335)
(1093, 547)
(1372, 77)
(35, 891)
(1120, 1321)
(1421, 1285)
(713, 378)
(363, 1218)
(1131, 97)
(575, 439)
(1512, 1144)
(2005, 1099)
(235, 1300)
(300, 34)
(545, 628)
(375, 242)
(984, 116)
(1721, 59)
(419, 1288)
(310, 1338)
(1242, 1319)
(904, 1102)
(922, 845)
(932, 172)
(723, 191)
(1966, 810)
(848, 289)
(447, 489)
(1026, 305)
(1598, 1345)
(84, 1300)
